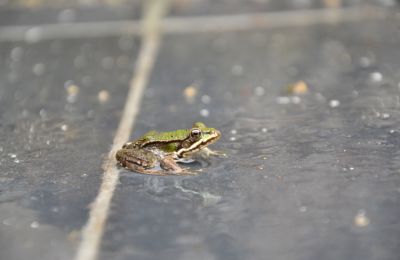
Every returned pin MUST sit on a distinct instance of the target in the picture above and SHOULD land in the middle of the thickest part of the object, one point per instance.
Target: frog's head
(200, 136)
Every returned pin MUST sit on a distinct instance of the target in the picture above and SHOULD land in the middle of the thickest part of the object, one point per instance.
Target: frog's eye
(195, 132)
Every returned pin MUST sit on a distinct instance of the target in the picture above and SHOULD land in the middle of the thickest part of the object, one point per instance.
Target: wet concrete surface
(55, 129)
(308, 176)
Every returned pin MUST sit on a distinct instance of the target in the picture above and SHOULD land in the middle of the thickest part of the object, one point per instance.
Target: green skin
(167, 148)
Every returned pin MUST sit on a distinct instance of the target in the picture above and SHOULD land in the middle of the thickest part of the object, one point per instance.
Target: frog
(167, 149)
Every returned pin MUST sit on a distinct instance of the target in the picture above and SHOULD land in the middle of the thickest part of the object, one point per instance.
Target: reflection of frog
(168, 148)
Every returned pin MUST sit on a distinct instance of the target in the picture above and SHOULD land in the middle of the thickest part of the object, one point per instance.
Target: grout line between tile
(183, 25)
(93, 231)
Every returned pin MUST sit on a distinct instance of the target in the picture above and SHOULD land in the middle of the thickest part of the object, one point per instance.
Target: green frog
(166, 149)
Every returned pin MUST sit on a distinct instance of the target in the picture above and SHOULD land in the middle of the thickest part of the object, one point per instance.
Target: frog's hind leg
(142, 170)
(138, 161)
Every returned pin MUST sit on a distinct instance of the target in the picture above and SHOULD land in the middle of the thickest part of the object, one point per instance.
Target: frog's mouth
(213, 137)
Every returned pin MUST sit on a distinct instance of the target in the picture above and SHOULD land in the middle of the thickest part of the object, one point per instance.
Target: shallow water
(308, 176)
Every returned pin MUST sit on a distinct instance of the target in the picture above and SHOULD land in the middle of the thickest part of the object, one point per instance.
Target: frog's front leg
(170, 166)
(207, 152)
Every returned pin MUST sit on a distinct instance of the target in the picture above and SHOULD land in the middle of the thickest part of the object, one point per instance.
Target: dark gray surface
(291, 192)
(297, 174)
(52, 149)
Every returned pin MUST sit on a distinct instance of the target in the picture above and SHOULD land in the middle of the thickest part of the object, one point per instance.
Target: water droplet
(34, 34)
(376, 76)
(12, 155)
(204, 112)
(233, 131)
(107, 63)
(385, 115)
(16, 53)
(365, 62)
(303, 209)
(34, 224)
(283, 100)
(334, 103)
(43, 114)
(67, 16)
(55, 209)
(38, 69)
(232, 138)
(295, 99)
(259, 91)
(264, 130)
(205, 99)
(7, 222)
(64, 127)
(237, 70)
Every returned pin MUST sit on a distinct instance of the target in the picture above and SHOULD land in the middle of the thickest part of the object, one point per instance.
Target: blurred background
(306, 94)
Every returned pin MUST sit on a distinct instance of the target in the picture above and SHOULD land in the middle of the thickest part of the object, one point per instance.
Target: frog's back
(154, 137)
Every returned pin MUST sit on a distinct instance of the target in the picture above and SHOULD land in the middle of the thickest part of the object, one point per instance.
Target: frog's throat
(199, 144)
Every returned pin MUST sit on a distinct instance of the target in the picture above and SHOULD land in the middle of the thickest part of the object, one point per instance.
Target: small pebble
(264, 130)
(298, 88)
(190, 93)
(233, 131)
(232, 138)
(72, 91)
(361, 220)
(64, 127)
(103, 96)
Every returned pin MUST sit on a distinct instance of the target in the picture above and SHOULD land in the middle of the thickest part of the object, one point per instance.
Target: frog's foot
(210, 152)
(205, 153)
